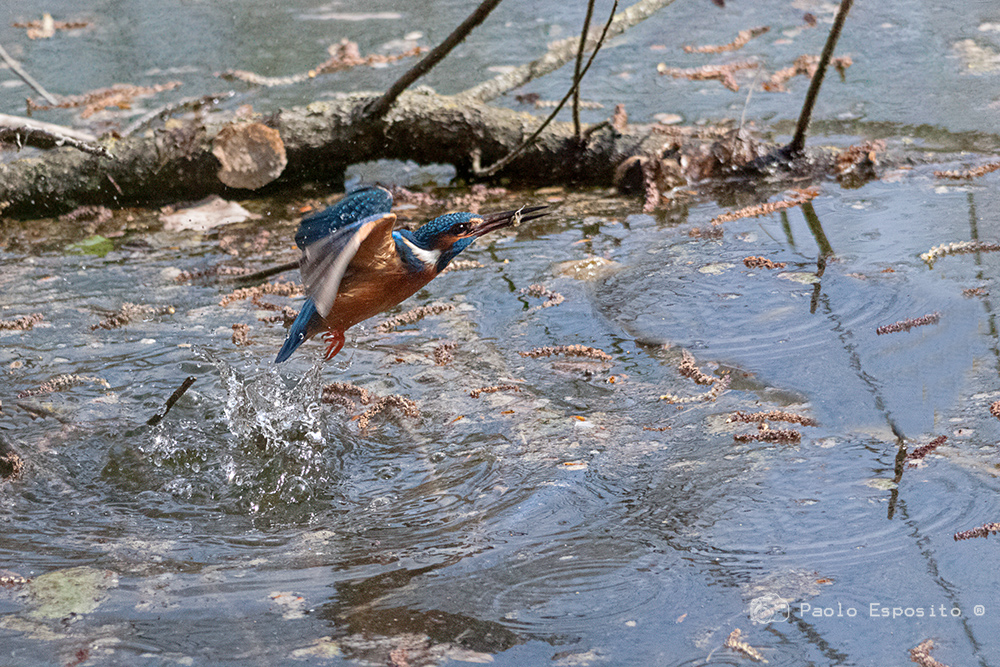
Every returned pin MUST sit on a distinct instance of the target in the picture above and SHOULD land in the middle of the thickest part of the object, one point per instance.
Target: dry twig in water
(559, 53)
(906, 325)
(805, 65)
(443, 354)
(798, 142)
(984, 530)
(856, 165)
(286, 316)
(338, 392)
(957, 248)
(278, 289)
(241, 334)
(11, 467)
(476, 393)
(381, 106)
(551, 104)
(726, 74)
(93, 215)
(919, 453)
(129, 312)
(478, 170)
(770, 416)
(733, 642)
(343, 55)
(713, 233)
(415, 315)
(569, 351)
(21, 323)
(765, 434)
(542, 292)
(407, 406)
(975, 172)
(798, 198)
(762, 263)
(859, 154)
(463, 265)
(46, 26)
(11, 580)
(995, 409)
(27, 78)
(921, 654)
(742, 37)
(689, 369)
(173, 398)
(119, 95)
(211, 272)
(63, 382)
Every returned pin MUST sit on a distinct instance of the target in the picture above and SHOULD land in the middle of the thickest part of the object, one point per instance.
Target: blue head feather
(433, 235)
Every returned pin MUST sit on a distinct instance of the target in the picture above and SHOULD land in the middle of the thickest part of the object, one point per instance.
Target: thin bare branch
(27, 78)
(20, 121)
(577, 76)
(41, 137)
(174, 397)
(798, 142)
(382, 105)
(559, 54)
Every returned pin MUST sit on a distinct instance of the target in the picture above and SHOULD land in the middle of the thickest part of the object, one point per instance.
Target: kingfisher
(355, 264)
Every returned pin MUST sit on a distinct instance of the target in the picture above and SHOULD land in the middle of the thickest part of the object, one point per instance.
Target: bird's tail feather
(299, 331)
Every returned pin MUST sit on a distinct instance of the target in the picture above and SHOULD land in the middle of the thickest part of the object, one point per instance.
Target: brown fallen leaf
(206, 214)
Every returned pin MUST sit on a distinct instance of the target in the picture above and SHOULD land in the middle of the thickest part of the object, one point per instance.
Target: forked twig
(504, 161)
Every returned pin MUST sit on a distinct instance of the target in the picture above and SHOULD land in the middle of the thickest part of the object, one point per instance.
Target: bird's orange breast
(365, 293)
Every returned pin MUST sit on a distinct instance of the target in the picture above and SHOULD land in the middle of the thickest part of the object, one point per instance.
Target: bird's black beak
(493, 221)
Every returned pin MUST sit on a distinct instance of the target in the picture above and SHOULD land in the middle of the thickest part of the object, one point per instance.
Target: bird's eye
(461, 229)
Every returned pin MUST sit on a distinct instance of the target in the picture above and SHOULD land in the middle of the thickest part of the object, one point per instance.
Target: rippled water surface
(584, 519)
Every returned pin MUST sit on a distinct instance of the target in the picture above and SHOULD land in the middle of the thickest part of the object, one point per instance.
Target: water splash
(278, 437)
(260, 409)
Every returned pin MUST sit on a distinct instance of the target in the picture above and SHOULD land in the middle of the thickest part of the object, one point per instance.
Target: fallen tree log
(321, 140)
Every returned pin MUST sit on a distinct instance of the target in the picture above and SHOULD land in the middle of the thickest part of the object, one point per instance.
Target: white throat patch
(428, 257)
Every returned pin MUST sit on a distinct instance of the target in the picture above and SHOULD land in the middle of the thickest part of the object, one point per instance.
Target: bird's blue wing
(357, 205)
(325, 261)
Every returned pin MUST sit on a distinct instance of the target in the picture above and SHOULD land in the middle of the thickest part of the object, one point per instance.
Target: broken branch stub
(252, 155)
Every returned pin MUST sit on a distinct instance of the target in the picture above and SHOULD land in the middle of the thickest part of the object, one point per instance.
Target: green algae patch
(74, 591)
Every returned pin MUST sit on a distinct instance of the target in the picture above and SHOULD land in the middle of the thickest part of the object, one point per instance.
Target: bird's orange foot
(335, 341)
